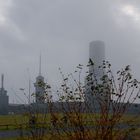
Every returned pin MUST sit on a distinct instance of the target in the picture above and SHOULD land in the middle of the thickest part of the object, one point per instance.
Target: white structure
(39, 87)
(97, 55)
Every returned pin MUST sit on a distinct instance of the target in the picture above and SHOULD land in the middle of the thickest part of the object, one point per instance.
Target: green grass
(15, 120)
(10, 122)
(23, 118)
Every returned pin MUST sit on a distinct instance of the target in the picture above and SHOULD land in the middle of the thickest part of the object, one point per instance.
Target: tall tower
(4, 99)
(39, 87)
(96, 55)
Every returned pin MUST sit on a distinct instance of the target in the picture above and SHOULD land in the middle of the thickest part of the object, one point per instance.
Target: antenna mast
(40, 65)
(29, 101)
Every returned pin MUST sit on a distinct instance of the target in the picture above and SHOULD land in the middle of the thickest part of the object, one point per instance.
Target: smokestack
(97, 55)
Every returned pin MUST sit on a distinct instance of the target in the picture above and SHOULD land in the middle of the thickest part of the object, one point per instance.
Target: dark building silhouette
(4, 99)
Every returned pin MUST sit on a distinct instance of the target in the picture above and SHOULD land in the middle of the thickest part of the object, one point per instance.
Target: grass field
(21, 119)
(14, 121)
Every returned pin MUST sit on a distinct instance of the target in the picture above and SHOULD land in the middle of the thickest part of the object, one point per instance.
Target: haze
(61, 30)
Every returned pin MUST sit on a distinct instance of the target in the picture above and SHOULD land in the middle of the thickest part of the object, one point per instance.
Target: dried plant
(95, 109)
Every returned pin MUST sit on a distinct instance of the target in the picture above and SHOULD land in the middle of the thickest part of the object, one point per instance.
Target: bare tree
(96, 109)
(101, 114)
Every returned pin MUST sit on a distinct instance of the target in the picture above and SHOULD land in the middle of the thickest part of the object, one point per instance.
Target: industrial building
(4, 99)
(96, 54)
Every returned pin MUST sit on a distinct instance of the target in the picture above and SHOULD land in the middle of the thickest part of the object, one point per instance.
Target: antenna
(29, 91)
(2, 81)
(40, 65)
(29, 86)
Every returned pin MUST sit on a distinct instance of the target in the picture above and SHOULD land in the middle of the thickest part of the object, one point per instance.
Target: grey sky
(62, 30)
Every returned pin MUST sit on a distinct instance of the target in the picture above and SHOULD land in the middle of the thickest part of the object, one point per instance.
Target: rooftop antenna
(40, 65)
(2, 81)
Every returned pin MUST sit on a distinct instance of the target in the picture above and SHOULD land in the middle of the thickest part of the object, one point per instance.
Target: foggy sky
(61, 30)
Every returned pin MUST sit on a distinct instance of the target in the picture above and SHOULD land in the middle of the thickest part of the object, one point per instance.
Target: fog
(61, 31)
